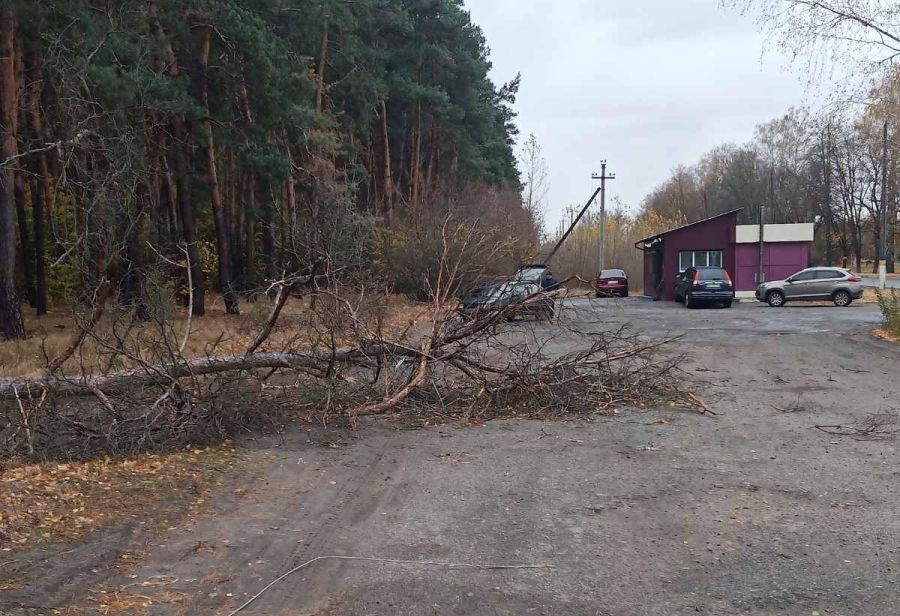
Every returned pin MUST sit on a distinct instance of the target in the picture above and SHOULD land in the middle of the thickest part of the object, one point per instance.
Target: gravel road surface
(660, 512)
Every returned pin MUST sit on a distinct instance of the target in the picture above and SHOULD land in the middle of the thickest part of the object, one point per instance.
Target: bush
(890, 309)
(482, 231)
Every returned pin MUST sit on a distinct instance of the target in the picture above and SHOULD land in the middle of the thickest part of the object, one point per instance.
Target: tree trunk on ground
(11, 325)
(223, 244)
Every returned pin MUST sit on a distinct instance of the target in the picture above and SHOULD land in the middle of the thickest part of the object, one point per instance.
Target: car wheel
(775, 299)
(726, 304)
(688, 301)
(598, 294)
(842, 298)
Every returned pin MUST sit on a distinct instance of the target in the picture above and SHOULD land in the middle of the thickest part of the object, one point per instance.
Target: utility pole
(882, 261)
(603, 177)
(761, 273)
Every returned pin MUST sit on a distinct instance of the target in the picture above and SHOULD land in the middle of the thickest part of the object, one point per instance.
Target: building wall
(715, 234)
(779, 261)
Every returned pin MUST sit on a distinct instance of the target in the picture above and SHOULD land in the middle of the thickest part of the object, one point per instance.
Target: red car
(612, 283)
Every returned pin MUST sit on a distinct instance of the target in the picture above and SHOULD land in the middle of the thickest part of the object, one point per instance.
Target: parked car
(530, 273)
(839, 285)
(697, 285)
(612, 283)
(509, 295)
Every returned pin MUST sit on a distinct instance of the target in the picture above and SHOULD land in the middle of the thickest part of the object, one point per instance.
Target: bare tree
(537, 178)
(862, 33)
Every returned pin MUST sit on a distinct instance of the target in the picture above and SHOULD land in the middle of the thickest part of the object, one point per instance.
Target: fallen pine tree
(469, 366)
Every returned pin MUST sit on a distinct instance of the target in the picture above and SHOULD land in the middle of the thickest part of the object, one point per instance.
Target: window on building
(699, 258)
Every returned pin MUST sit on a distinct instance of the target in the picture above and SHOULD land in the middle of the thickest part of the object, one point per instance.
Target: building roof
(692, 224)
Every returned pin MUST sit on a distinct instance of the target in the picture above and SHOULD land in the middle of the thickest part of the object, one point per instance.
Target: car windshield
(612, 273)
(531, 274)
(711, 274)
(502, 290)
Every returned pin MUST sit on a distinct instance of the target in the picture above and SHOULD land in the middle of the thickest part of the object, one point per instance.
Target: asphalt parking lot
(652, 512)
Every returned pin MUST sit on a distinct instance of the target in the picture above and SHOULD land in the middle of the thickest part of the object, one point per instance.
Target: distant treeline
(839, 170)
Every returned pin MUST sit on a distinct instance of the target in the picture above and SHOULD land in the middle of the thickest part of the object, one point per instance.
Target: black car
(509, 296)
(697, 285)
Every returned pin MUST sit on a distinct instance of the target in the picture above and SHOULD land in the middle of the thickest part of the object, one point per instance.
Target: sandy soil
(662, 512)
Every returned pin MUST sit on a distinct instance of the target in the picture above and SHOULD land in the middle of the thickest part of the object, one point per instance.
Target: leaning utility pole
(603, 177)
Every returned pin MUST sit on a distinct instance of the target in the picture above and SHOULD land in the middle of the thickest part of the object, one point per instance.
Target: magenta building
(720, 241)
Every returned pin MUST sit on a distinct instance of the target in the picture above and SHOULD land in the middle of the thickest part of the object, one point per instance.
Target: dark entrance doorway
(653, 271)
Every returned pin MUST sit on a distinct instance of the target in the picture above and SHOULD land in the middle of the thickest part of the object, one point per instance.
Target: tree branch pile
(342, 361)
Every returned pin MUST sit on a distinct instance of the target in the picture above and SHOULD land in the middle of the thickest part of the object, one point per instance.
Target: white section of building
(798, 232)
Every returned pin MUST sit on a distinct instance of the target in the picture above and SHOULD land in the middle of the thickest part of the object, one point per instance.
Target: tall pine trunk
(251, 276)
(416, 158)
(132, 293)
(290, 195)
(388, 181)
(223, 244)
(268, 239)
(40, 190)
(188, 216)
(431, 173)
(181, 189)
(25, 240)
(320, 77)
(11, 325)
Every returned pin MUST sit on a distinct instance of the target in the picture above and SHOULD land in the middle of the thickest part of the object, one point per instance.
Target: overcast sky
(645, 84)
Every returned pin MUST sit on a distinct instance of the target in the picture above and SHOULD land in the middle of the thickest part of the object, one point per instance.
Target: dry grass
(52, 501)
(213, 334)
(886, 335)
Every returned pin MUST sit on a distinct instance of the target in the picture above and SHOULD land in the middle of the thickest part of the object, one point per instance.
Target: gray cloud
(647, 85)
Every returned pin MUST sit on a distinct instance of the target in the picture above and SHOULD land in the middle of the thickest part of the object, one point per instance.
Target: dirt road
(649, 513)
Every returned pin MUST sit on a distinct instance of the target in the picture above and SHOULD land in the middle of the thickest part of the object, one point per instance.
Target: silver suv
(813, 284)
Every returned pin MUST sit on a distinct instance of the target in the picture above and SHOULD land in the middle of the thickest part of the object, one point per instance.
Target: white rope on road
(431, 563)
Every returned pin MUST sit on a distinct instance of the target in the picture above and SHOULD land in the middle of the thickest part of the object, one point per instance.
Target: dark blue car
(704, 285)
